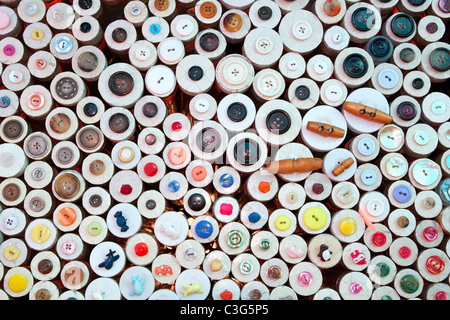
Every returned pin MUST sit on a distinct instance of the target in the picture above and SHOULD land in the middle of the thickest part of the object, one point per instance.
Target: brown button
(97, 167)
(43, 294)
(119, 123)
(208, 9)
(119, 35)
(45, 266)
(37, 204)
(232, 22)
(161, 5)
(89, 138)
(67, 185)
(87, 61)
(37, 145)
(64, 155)
(74, 275)
(12, 129)
(60, 123)
(11, 192)
(95, 201)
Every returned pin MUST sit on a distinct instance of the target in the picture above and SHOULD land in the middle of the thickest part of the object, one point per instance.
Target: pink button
(355, 288)
(9, 50)
(5, 20)
(305, 279)
(226, 209)
(177, 126)
(430, 234)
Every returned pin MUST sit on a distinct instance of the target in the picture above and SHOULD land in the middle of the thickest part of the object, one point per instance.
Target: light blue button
(155, 28)
(63, 45)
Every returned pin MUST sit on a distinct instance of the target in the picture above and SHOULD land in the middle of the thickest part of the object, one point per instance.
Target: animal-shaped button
(191, 289)
(324, 253)
(138, 286)
(110, 258)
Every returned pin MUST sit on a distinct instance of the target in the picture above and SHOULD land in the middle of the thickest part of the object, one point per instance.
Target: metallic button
(407, 55)
(278, 121)
(45, 266)
(332, 8)
(406, 110)
(12, 129)
(121, 83)
(403, 25)
(425, 172)
(90, 109)
(66, 88)
(237, 111)
(195, 73)
(409, 283)
(232, 22)
(381, 46)
(89, 138)
(440, 59)
(265, 13)
(60, 123)
(97, 167)
(37, 204)
(208, 9)
(119, 123)
(247, 152)
(95, 200)
(65, 155)
(302, 92)
(85, 4)
(209, 41)
(63, 45)
(119, 35)
(66, 185)
(150, 110)
(363, 19)
(37, 145)
(209, 140)
(85, 27)
(126, 154)
(355, 65)
(444, 5)
(87, 61)
(235, 239)
(11, 192)
(255, 294)
(161, 5)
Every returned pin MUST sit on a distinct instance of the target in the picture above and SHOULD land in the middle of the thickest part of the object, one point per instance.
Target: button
(85, 4)
(355, 287)
(435, 265)
(407, 55)
(141, 249)
(402, 194)
(432, 27)
(95, 201)
(363, 19)
(174, 186)
(438, 107)
(226, 180)
(66, 88)
(37, 34)
(135, 10)
(150, 109)
(348, 226)
(11, 253)
(196, 202)
(332, 8)
(337, 37)
(264, 244)
(155, 28)
(278, 121)
(204, 229)
(66, 185)
(246, 152)
(315, 218)
(35, 101)
(16, 76)
(265, 13)
(161, 5)
(126, 154)
(444, 5)
(87, 61)
(263, 45)
(4, 102)
(302, 30)
(17, 283)
(97, 167)
(31, 8)
(403, 25)
(37, 204)
(440, 59)
(119, 35)
(305, 278)
(226, 209)
(418, 83)
(379, 239)
(274, 272)
(177, 156)
(237, 112)
(375, 207)
(67, 216)
(89, 138)
(226, 295)
(60, 123)
(387, 79)
(416, 2)
(121, 83)
(10, 222)
(232, 22)
(9, 50)
(355, 65)
(42, 294)
(430, 234)
(40, 233)
(317, 188)
(68, 247)
(235, 72)
(369, 177)
(406, 110)
(382, 269)
(195, 73)
(235, 239)
(184, 27)
(11, 192)
(293, 64)
(37, 145)
(396, 166)
(208, 9)
(409, 283)
(74, 275)
(199, 173)
(441, 295)
(190, 254)
(94, 228)
(63, 45)
(85, 27)
(209, 140)
(254, 217)
(5, 20)
(90, 109)
(282, 223)
(246, 267)
(425, 172)
(119, 123)
(404, 252)
(45, 266)
(264, 187)
(255, 294)
(12, 129)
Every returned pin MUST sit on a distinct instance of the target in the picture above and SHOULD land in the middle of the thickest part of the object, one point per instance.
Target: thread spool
(324, 250)
(151, 140)
(327, 294)
(432, 64)
(385, 7)
(314, 217)
(234, 25)
(151, 168)
(60, 16)
(155, 29)
(14, 129)
(333, 93)
(121, 183)
(43, 65)
(31, 11)
(184, 27)
(136, 13)
(330, 12)
(225, 209)
(126, 155)
(344, 195)
(319, 68)
(202, 107)
(424, 174)
(414, 8)
(429, 29)
(353, 66)
(318, 186)
(365, 147)
(408, 283)
(41, 234)
(90, 109)
(12, 24)
(263, 47)
(403, 251)
(434, 108)
(387, 79)
(117, 124)
(208, 13)
(211, 44)
(282, 222)
(128, 280)
(391, 138)
(12, 51)
(61, 123)
(98, 256)
(361, 31)
(265, 14)
(400, 27)
(45, 266)
(38, 203)
(195, 74)
(37, 36)
(406, 56)
(9, 102)
(110, 290)
(13, 225)
(236, 112)
(142, 55)
(24, 275)
(291, 196)
(226, 180)
(440, 9)
(141, 249)
(355, 285)
(234, 239)
(335, 39)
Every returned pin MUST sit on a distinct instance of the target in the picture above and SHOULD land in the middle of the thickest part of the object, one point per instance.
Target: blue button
(155, 28)
(402, 194)
(174, 186)
(4, 102)
(63, 45)
(254, 217)
(204, 229)
(226, 180)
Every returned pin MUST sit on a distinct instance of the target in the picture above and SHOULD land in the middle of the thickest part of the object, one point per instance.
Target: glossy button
(94, 228)
(209, 140)
(10, 222)
(332, 8)
(355, 65)
(409, 283)
(254, 217)
(63, 45)
(119, 35)
(9, 50)
(208, 9)
(282, 223)
(265, 13)
(195, 73)
(155, 28)
(347, 226)
(369, 177)
(444, 6)
(89, 138)
(161, 5)
(141, 249)
(87, 61)
(45, 266)
(204, 229)
(174, 186)
(66, 88)
(85, 27)
(404, 252)
(68, 247)
(237, 111)
(40, 233)
(430, 234)
(196, 202)
(209, 41)
(403, 25)
(435, 265)
(381, 46)
(305, 278)
(382, 269)
(43, 294)
(74, 275)
(67, 216)
(37, 34)
(402, 194)
(11, 192)
(66, 185)
(363, 19)
(119, 123)
(5, 20)
(126, 154)
(121, 83)
(226, 180)
(315, 218)
(379, 239)
(366, 146)
(4, 102)
(440, 59)
(150, 110)
(278, 121)
(90, 109)
(17, 283)
(407, 55)
(232, 22)
(406, 111)
(60, 123)
(150, 169)
(235, 239)
(246, 152)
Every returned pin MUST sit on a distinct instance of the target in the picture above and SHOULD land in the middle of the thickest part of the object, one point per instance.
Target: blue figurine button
(121, 221)
(204, 229)
(402, 193)
(109, 261)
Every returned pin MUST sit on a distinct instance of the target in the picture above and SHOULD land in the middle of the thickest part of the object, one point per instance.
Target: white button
(375, 207)
(366, 146)
(268, 84)
(333, 93)
(421, 138)
(264, 45)
(302, 30)
(425, 172)
(142, 53)
(292, 65)
(57, 16)
(135, 10)
(16, 76)
(235, 72)
(201, 105)
(337, 37)
(396, 167)
(10, 222)
(184, 27)
(368, 177)
(438, 107)
(31, 8)
(320, 67)
(387, 78)
(346, 195)
(171, 50)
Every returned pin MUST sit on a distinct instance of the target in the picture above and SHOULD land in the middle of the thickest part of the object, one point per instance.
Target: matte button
(119, 35)
(246, 152)
(440, 59)
(64, 155)
(381, 47)
(209, 140)
(363, 19)
(161, 5)
(121, 83)
(403, 25)
(278, 121)
(237, 112)
(12, 129)
(66, 88)
(355, 65)
(150, 204)
(45, 266)
(37, 145)
(199, 173)
(11, 192)
(43, 294)
(407, 55)
(119, 123)
(406, 111)
(89, 138)
(74, 275)
(265, 13)
(150, 109)
(302, 92)
(402, 194)
(315, 218)
(208, 9)
(209, 41)
(232, 22)
(87, 61)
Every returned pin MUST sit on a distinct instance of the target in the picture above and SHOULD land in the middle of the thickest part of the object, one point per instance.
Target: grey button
(66, 88)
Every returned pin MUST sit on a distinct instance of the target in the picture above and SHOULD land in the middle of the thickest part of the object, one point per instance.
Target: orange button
(208, 9)
(177, 155)
(67, 216)
(264, 187)
(332, 7)
(199, 173)
(232, 22)
(161, 5)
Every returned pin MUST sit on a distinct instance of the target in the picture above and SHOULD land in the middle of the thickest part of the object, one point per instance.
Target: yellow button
(17, 283)
(282, 223)
(347, 226)
(315, 218)
(11, 253)
(37, 34)
(40, 233)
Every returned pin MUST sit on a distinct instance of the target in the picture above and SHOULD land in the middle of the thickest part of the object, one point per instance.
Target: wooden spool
(45, 265)
(151, 140)
(335, 39)
(347, 225)
(120, 36)
(263, 47)
(406, 111)
(60, 16)
(394, 166)
(282, 222)
(87, 31)
(401, 194)
(142, 55)
(90, 110)
(314, 211)
(365, 147)
(230, 81)
(12, 25)
(98, 168)
(16, 77)
(61, 124)
(38, 203)
(400, 28)
(429, 29)
(363, 31)
(211, 44)
(12, 51)
(37, 36)
(43, 65)
(408, 283)
(234, 25)
(96, 201)
(333, 93)
(416, 84)
(155, 29)
(440, 9)
(185, 28)
(236, 112)
(325, 251)
(117, 124)
(292, 66)
(165, 9)
(347, 77)
(305, 279)
(66, 155)
(31, 11)
(303, 93)
(208, 13)
(368, 177)
(355, 286)
(74, 89)
(38, 146)
(413, 9)
(424, 174)
(356, 256)
(36, 102)
(195, 74)
(406, 56)
(63, 46)
(136, 12)
(387, 78)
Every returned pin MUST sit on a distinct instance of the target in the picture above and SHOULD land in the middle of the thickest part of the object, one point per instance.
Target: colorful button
(199, 173)
(40, 233)
(264, 187)
(282, 223)
(11, 253)
(403, 25)
(232, 22)
(404, 252)
(141, 249)
(347, 226)
(379, 239)
(402, 193)
(126, 154)
(315, 218)
(67, 216)
(305, 278)
(17, 283)
(440, 59)
(37, 34)
(226, 180)
(355, 65)
(204, 229)
(5, 20)
(363, 19)
(150, 169)
(177, 156)
(94, 228)
(382, 269)
(435, 265)
(235, 239)
(409, 283)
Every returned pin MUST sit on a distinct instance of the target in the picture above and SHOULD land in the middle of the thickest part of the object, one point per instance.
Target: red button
(226, 295)
(176, 126)
(126, 189)
(141, 249)
(150, 169)
(430, 234)
(404, 252)
(379, 239)
(435, 265)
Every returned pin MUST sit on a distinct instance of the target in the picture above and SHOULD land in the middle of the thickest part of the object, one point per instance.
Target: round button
(4, 102)
(89, 138)
(382, 269)
(416, 2)
(37, 34)
(375, 207)
(208, 9)
(16, 76)
(282, 223)
(161, 5)
(265, 13)
(66, 88)
(11, 192)
(402, 194)
(60, 123)
(10, 222)
(150, 109)
(369, 177)
(226, 180)
(435, 265)
(69, 247)
(235, 72)
(201, 105)
(65, 155)
(409, 283)
(5, 20)
(246, 267)
(438, 107)
(403, 25)
(315, 218)
(9, 50)
(432, 27)
(209, 41)
(184, 27)
(85, 4)
(355, 65)
(348, 226)
(121, 83)
(337, 37)
(237, 112)
(305, 278)
(94, 228)
(387, 78)
(418, 83)
(119, 123)
(199, 173)
(85, 27)
(66, 185)
(232, 22)
(263, 45)
(404, 252)
(204, 229)
(74, 275)
(247, 152)
(87, 61)
(12, 129)
(97, 167)
(155, 28)
(141, 249)
(379, 239)
(406, 111)
(177, 156)
(332, 8)
(67, 216)
(119, 35)
(380, 47)
(302, 30)
(430, 234)
(317, 188)
(40, 233)
(195, 73)
(17, 283)
(173, 186)
(209, 140)
(302, 92)
(440, 59)
(196, 202)
(150, 169)
(407, 55)
(126, 154)
(45, 266)
(444, 6)
(43, 294)
(363, 19)
(90, 109)
(63, 45)
(421, 137)
(278, 121)
(11, 253)
(235, 239)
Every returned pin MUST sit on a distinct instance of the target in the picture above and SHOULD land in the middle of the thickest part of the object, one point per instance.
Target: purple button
(402, 194)
(9, 50)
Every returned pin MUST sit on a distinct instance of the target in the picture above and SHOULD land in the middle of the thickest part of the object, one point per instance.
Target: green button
(440, 59)
(94, 228)
(363, 19)
(386, 298)
(416, 2)
(403, 25)
(235, 239)
(407, 55)
(381, 46)
(409, 283)
(355, 65)
(418, 83)
(382, 269)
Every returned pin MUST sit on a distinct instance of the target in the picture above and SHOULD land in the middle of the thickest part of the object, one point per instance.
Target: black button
(119, 123)
(246, 152)
(85, 4)
(121, 83)
(302, 92)
(87, 61)
(209, 41)
(90, 109)
(418, 83)
(195, 73)
(95, 201)
(150, 110)
(119, 35)
(406, 110)
(196, 202)
(355, 65)
(12, 129)
(265, 13)
(237, 111)
(66, 88)
(278, 121)
(209, 139)
(85, 27)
